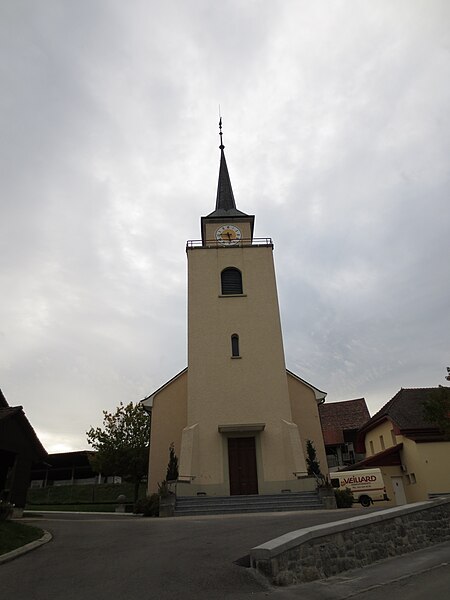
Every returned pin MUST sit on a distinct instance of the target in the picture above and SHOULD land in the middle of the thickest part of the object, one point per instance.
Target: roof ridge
(342, 401)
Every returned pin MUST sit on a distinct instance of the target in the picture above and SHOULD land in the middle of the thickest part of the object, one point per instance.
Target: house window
(394, 439)
(371, 447)
(235, 345)
(231, 280)
(382, 442)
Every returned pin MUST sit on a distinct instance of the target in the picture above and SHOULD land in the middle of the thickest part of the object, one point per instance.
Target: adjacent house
(413, 454)
(340, 424)
(19, 449)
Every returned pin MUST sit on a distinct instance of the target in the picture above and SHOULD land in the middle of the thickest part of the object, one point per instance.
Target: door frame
(226, 468)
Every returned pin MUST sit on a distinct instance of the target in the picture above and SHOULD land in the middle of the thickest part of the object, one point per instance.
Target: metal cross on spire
(220, 132)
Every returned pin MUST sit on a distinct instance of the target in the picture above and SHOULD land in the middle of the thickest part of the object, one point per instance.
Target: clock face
(228, 235)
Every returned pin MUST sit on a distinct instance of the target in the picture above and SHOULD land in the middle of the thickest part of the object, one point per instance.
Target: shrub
(312, 463)
(344, 498)
(147, 507)
(172, 467)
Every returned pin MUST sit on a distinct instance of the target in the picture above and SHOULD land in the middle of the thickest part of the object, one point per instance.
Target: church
(238, 419)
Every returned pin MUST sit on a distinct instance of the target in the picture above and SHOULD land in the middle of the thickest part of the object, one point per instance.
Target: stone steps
(217, 505)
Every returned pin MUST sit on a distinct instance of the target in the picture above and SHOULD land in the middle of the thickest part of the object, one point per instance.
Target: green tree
(312, 463)
(436, 410)
(122, 445)
(172, 467)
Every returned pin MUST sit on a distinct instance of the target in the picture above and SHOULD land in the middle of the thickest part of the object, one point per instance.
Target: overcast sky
(336, 126)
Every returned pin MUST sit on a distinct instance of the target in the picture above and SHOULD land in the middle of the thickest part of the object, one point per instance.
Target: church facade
(238, 419)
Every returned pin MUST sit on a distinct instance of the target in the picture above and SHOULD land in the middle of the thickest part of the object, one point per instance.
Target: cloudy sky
(337, 134)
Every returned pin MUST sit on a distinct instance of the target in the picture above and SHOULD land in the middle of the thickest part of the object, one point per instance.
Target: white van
(366, 485)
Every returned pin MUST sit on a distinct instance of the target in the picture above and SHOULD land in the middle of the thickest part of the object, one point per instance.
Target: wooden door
(242, 466)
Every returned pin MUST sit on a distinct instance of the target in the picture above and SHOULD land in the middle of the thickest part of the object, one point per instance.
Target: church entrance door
(242, 466)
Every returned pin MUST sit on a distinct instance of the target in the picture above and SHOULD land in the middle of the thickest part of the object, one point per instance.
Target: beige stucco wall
(388, 473)
(250, 393)
(305, 413)
(247, 390)
(169, 416)
(428, 462)
(384, 429)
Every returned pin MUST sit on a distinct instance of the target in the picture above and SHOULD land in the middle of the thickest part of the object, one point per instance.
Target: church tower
(240, 437)
(239, 421)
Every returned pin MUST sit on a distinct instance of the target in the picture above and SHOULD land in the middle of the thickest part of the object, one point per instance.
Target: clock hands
(228, 235)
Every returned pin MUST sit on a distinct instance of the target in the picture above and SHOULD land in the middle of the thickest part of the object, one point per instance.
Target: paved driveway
(114, 558)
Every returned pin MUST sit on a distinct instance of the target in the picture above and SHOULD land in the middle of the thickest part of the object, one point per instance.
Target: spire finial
(220, 131)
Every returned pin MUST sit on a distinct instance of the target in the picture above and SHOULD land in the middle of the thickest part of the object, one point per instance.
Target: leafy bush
(344, 498)
(148, 507)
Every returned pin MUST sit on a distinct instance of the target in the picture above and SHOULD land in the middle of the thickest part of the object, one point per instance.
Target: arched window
(231, 279)
(235, 345)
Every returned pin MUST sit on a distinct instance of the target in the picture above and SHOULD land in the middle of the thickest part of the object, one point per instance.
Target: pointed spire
(225, 197)
(225, 205)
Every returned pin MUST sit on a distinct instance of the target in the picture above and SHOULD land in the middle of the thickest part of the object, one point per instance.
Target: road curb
(27, 548)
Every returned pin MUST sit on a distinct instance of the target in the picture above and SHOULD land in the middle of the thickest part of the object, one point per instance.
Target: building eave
(387, 458)
(319, 394)
(147, 402)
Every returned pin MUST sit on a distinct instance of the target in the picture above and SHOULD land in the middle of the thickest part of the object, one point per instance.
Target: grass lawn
(14, 535)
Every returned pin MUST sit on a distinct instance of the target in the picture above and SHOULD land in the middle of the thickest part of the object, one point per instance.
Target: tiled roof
(405, 409)
(387, 458)
(336, 417)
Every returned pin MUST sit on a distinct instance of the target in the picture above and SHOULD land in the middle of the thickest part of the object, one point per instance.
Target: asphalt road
(121, 557)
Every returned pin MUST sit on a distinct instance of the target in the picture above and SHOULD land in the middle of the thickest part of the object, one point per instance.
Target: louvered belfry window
(231, 281)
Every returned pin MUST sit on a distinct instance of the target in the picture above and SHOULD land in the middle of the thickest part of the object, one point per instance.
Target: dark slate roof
(337, 417)
(9, 411)
(73, 458)
(17, 412)
(225, 196)
(405, 410)
(3, 402)
(225, 203)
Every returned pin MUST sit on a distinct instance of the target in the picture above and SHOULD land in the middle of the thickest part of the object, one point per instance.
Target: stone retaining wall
(326, 550)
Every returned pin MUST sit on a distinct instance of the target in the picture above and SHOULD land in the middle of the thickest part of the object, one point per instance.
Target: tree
(312, 463)
(436, 409)
(172, 467)
(122, 446)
